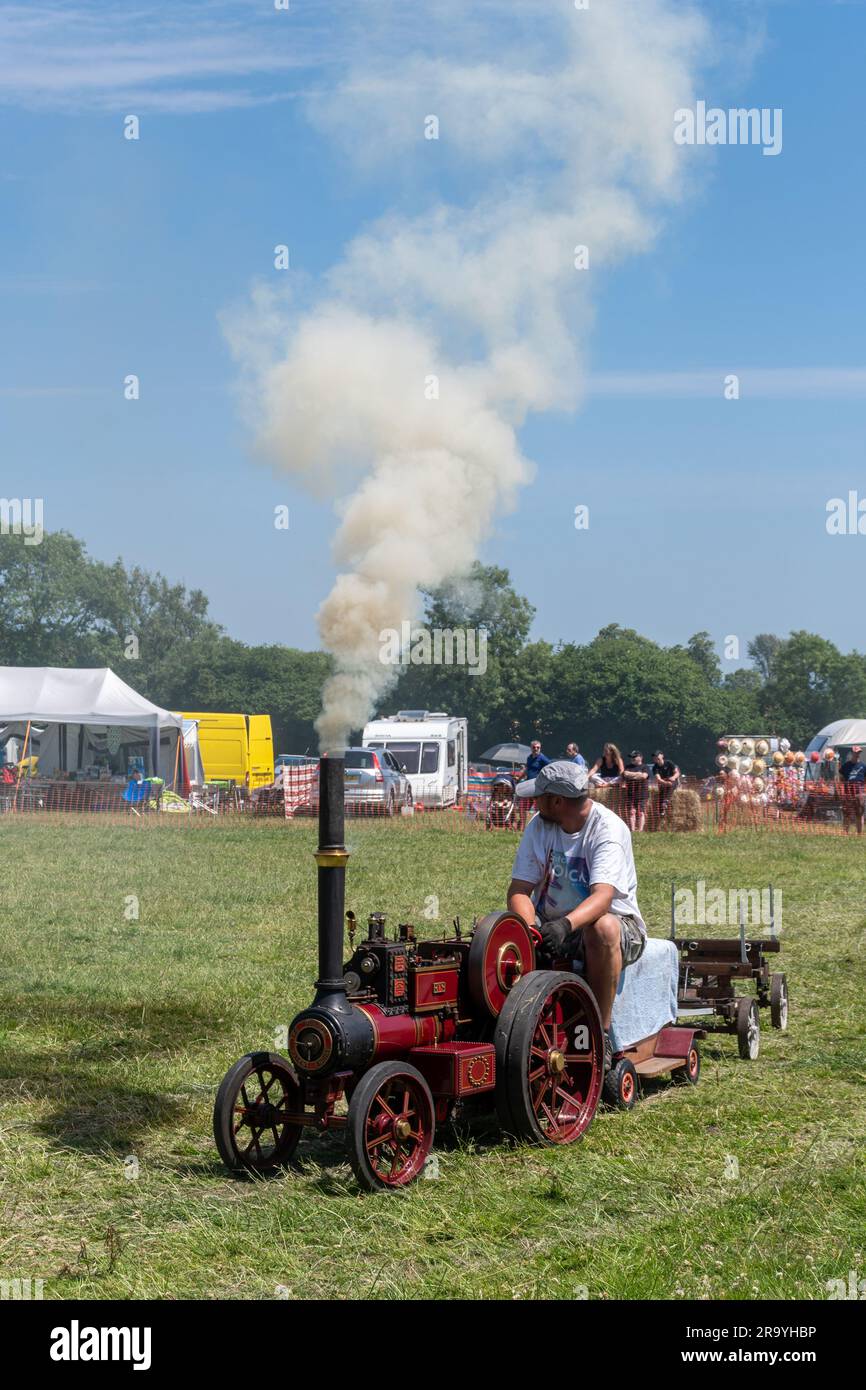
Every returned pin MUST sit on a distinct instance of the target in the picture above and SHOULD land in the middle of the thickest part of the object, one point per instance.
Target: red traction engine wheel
(391, 1126)
(549, 1058)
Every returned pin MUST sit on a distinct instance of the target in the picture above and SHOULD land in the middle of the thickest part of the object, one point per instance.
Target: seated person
(574, 878)
(608, 769)
(136, 789)
(501, 808)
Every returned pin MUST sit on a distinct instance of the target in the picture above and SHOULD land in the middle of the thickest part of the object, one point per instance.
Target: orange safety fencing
(697, 805)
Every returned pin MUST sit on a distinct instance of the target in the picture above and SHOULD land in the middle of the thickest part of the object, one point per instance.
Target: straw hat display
(759, 765)
(762, 747)
(733, 745)
(785, 744)
(747, 747)
(745, 764)
(779, 758)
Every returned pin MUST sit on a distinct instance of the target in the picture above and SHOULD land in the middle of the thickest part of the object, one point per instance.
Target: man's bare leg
(601, 942)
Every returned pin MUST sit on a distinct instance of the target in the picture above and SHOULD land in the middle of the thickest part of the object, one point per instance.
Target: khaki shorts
(631, 940)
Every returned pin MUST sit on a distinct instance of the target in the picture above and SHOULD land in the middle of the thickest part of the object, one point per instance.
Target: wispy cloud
(182, 57)
(755, 383)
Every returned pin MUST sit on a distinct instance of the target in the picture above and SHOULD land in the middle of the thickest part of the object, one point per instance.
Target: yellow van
(236, 747)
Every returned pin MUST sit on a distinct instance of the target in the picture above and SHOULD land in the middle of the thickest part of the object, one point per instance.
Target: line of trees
(60, 607)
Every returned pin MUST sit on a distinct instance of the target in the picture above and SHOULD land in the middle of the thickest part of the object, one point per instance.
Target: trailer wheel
(250, 1124)
(550, 1039)
(689, 1074)
(620, 1085)
(748, 1029)
(390, 1126)
(779, 1001)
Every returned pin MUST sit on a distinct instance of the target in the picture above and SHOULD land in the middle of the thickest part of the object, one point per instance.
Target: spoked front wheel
(748, 1029)
(253, 1122)
(390, 1127)
(779, 1001)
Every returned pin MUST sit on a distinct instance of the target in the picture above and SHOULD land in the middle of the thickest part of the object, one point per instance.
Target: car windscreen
(359, 758)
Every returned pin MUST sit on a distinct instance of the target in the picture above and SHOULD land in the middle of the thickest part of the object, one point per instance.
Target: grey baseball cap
(559, 779)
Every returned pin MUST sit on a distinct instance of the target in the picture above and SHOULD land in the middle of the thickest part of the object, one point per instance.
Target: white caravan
(433, 749)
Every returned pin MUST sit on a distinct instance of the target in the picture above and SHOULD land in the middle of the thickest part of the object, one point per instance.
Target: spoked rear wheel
(390, 1127)
(251, 1123)
(550, 1048)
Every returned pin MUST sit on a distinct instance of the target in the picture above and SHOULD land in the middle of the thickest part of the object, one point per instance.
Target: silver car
(373, 778)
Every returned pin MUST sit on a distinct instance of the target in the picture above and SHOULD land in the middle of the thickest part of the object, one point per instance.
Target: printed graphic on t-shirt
(566, 885)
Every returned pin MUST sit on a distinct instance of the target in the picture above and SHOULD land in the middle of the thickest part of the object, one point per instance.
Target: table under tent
(72, 737)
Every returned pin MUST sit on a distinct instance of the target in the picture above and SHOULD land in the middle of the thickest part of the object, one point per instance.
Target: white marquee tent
(842, 734)
(78, 718)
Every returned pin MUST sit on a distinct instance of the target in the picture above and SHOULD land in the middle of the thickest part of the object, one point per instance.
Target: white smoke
(484, 296)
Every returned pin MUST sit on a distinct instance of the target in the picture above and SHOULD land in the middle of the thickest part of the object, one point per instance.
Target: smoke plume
(399, 392)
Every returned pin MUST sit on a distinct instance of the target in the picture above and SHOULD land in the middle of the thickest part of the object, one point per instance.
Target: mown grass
(114, 1034)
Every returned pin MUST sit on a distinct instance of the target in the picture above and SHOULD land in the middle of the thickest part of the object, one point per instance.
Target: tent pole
(21, 764)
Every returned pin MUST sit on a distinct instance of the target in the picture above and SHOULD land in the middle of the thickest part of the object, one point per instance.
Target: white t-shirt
(564, 867)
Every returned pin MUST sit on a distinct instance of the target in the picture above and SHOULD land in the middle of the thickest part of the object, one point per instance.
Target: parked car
(374, 778)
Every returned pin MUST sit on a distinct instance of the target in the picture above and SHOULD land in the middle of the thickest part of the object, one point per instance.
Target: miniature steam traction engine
(408, 1029)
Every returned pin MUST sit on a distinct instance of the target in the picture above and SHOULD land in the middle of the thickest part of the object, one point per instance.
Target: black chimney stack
(331, 857)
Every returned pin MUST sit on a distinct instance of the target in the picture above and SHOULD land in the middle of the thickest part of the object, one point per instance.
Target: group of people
(610, 770)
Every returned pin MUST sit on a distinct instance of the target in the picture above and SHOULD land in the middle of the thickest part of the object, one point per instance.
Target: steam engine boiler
(406, 1030)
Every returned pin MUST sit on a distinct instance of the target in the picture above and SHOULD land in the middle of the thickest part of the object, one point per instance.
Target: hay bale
(608, 796)
(684, 812)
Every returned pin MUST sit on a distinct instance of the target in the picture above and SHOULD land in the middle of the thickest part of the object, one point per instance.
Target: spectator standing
(608, 769)
(574, 755)
(667, 776)
(636, 781)
(536, 760)
(852, 775)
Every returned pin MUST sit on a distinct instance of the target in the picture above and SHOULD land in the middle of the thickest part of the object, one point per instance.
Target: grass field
(114, 1034)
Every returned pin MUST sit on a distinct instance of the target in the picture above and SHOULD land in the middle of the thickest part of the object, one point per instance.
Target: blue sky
(120, 256)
